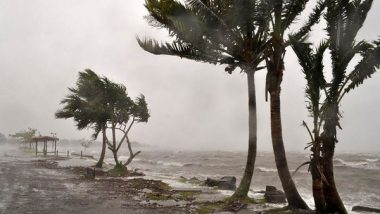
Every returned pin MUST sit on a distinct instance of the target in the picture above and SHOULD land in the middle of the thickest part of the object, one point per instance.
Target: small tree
(2, 138)
(123, 112)
(86, 143)
(25, 135)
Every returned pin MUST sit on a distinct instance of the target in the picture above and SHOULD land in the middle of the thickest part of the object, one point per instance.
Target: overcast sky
(43, 45)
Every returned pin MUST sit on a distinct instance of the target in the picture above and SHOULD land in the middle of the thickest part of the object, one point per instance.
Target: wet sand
(34, 187)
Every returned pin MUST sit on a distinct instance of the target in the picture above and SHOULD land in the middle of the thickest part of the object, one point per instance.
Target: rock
(273, 195)
(225, 183)
(90, 173)
(365, 209)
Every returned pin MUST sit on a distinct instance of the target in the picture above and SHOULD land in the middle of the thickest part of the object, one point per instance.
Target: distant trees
(25, 135)
(3, 139)
(101, 104)
(344, 19)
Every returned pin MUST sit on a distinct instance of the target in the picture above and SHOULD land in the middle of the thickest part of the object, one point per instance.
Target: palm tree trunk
(292, 195)
(319, 199)
(245, 183)
(103, 153)
(334, 203)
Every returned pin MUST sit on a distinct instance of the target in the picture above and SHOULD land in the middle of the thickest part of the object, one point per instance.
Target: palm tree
(230, 32)
(344, 19)
(312, 67)
(83, 104)
(282, 15)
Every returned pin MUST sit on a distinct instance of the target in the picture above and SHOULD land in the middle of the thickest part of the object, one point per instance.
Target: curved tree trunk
(334, 203)
(245, 183)
(104, 147)
(114, 150)
(319, 199)
(292, 195)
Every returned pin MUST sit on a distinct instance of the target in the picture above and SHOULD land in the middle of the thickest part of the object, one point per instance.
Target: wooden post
(55, 146)
(45, 147)
(36, 147)
(81, 155)
(67, 153)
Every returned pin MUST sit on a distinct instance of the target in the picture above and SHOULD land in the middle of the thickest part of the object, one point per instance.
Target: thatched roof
(45, 138)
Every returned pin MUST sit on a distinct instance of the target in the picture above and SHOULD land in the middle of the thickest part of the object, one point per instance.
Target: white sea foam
(263, 169)
(372, 159)
(368, 164)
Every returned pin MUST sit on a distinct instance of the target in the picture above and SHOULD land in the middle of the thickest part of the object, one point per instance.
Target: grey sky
(43, 44)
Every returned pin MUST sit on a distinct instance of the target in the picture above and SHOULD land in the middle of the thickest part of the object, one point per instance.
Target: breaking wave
(367, 164)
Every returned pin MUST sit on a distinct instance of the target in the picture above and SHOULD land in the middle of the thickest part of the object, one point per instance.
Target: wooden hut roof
(45, 138)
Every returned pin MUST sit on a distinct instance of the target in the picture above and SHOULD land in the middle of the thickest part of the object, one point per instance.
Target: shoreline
(48, 187)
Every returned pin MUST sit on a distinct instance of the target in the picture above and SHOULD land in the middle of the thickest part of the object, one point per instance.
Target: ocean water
(357, 175)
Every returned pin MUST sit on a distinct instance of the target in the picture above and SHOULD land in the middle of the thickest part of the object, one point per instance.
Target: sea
(357, 175)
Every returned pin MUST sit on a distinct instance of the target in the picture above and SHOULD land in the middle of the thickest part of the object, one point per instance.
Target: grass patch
(211, 207)
(157, 196)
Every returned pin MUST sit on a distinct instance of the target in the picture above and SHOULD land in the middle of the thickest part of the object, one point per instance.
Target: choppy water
(357, 175)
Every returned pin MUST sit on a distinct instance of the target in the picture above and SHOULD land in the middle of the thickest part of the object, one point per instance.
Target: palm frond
(313, 19)
(369, 64)
(291, 9)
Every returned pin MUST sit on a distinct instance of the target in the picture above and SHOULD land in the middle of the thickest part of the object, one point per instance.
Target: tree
(282, 15)
(25, 135)
(84, 105)
(312, 66)
(3, 139)
(124, 113)
(86, 143)
(344, 19)
(231, 33)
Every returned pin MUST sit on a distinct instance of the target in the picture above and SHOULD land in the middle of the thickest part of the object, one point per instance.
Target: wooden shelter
(45, 140)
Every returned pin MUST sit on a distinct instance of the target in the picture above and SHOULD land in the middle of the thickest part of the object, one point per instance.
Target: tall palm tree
(312, 66)
(229, 32)
(282, 15)
(344, 19)
(83, 104)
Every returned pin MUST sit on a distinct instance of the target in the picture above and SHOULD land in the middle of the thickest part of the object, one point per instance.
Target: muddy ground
(41, 187)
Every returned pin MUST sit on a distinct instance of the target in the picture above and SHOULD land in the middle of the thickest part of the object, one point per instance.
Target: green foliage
(25, 135)
(231, 33)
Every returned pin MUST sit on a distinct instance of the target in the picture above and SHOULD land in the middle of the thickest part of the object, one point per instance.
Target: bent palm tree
(231, 33)
(283, 14)
(84, 106)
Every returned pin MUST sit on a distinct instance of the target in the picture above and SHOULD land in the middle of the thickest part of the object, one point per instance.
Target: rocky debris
(90, 173)
(273, 195)
(224, 183)
(365, 209)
